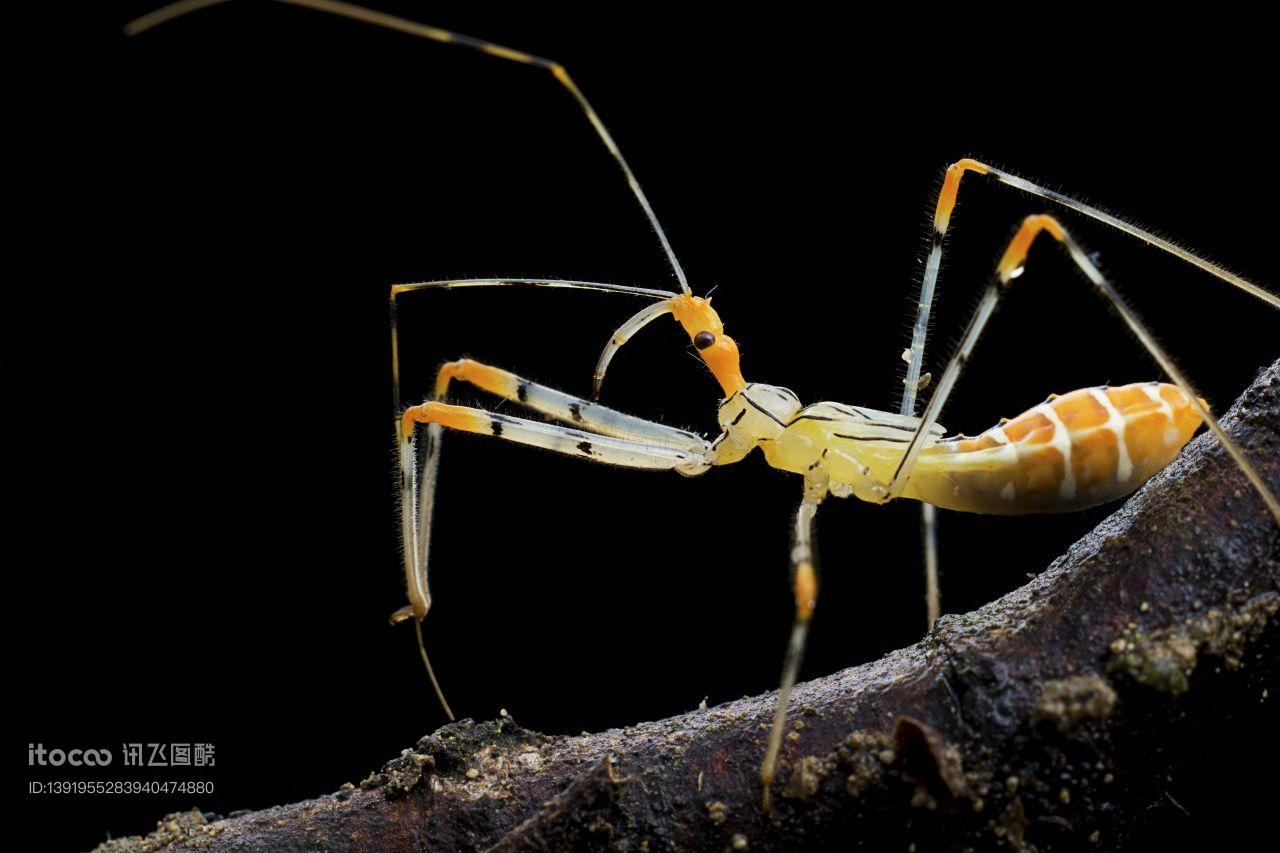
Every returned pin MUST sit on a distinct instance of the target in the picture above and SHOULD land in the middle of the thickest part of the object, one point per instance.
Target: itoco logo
(37, 754)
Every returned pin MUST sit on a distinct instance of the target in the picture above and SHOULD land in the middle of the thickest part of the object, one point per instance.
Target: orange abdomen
(1075, 451)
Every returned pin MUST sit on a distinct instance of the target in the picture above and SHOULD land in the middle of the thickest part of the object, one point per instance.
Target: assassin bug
(1086, 447)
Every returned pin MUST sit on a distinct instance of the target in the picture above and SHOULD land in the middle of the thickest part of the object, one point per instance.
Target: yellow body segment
(1071, 452)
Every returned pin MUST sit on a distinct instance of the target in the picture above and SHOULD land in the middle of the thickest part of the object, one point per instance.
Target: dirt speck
(862, 753)
(191, 826)
(1165, 659)
(1069, 701)
(718, 812)
(1013, 826)
(806, 778)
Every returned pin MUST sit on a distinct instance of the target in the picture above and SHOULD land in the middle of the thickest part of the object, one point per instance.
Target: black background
(212, 214)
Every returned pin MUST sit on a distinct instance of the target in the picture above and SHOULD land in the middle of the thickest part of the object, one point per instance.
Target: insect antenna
(624, 333)
(392, 22)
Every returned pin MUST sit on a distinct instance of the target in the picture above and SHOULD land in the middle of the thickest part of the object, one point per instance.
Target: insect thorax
(754, 416)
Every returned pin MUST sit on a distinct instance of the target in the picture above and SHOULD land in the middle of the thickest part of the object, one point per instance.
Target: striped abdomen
(1075, 451)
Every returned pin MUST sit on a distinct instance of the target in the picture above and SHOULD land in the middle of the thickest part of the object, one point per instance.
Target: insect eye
(702, 340)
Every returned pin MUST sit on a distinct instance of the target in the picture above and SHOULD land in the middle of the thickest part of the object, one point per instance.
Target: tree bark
(1049, 719)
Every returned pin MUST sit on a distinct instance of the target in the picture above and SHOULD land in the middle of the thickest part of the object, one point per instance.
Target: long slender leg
(804, 579)
(436, 415)
(391, 22)
(1009, 268)
(564, 407)
(932, 579)
(418, 481)
(947, 196)
(398, 290)
(415, 513)
(403, 440)
(417, 503)
(574, 442)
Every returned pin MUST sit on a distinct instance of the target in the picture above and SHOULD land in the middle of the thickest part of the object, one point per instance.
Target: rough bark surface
(1045, 720)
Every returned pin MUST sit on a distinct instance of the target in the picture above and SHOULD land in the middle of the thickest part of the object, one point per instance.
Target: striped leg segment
(402, 25)
(565, 407)
(653, 446)
(947, 197)
(399, 290)
(1007, 271)
(942, 219)
(915, 362)
(418, 480)
(1127, 227)
(573, 442)
(805, 584)
(416, 504)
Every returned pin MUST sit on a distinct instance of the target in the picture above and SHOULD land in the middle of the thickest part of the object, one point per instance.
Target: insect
(837, 449)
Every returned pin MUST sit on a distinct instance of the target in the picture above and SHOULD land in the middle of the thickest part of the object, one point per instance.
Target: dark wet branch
(1050, 719)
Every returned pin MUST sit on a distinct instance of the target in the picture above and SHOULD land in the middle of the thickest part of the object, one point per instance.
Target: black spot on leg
(585, 447)
(734, 422)
(575, 410)
(522, 392)
(495, 428)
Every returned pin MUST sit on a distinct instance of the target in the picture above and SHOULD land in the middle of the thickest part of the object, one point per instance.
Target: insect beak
(624, 334)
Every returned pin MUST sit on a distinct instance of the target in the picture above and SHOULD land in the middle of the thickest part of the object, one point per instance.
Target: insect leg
(418, 482)
(804, 579)
(947, 196)
(1009, 268)
(398, 290)
(1127, 227)
(629, 453)
(932, 576)
(564, 407)
(417, 501)
(416, 505)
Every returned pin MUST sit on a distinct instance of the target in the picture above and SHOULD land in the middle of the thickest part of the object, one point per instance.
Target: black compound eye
(702, 340)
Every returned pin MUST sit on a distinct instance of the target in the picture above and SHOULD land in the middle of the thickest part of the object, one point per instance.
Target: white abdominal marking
(1116, 423)
(1061, 440)
(1171, 434)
